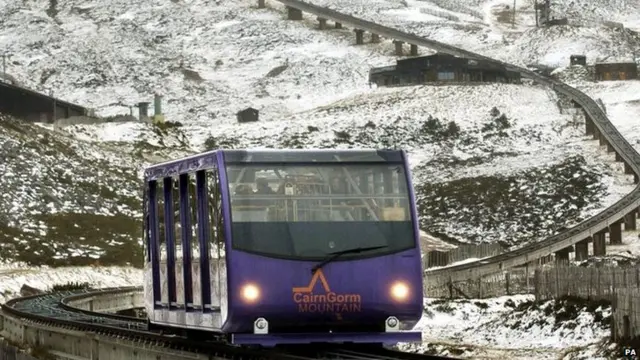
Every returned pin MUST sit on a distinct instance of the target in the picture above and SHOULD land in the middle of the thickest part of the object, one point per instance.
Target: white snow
(13, 277)
(507, 327)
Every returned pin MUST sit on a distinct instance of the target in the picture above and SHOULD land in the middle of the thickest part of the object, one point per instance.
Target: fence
(589, 283)
(462, 252)
(10, 352)
(511, 282)
(626, 315)
(545, 282)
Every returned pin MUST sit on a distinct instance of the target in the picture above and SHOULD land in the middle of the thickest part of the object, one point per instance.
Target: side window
(161, 220)
(193, 212)
(145, 221)
(215, 213)
(177, 228)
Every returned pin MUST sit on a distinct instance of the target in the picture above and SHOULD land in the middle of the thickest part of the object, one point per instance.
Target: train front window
(307, 211)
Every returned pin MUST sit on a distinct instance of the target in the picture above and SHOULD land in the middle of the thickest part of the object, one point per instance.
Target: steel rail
(45, 309)
(529, 252)
(66, 303)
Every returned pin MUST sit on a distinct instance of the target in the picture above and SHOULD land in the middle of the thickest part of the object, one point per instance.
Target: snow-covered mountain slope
(69, 201)
(514, 327)
(512, 179)
(485, 27)
(209, 60)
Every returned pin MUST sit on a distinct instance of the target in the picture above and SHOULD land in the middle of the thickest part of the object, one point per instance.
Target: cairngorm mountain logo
(327, 301)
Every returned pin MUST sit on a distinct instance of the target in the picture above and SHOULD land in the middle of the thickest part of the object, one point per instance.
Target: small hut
(247, 115)
(578, 60)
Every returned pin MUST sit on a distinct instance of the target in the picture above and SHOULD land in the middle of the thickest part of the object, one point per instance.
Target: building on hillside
(247, 115)
(578, 60)
(616, 70)
(441, 68)
(32, 106)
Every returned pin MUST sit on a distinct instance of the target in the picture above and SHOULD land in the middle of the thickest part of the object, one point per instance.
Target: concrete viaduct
(597, 124)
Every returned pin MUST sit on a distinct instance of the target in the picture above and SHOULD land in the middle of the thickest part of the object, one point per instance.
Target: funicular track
(597, 124)
(52, 322)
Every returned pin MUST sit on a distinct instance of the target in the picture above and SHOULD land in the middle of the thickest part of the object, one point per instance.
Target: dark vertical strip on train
(226, 218)
(169, 235)
(412, 201)
(145, 225)
(155, 251)
(403, 190)
(185, 227)
(387, 180)
(203, 238)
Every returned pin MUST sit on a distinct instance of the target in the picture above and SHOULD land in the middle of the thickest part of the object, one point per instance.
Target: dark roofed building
(616, 71)
(578, 60)
(247, 115)
(32, 106)
(439, 68)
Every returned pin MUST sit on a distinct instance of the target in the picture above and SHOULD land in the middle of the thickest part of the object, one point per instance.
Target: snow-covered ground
(211, 60)
(512, 327)
(13, 277)
(485, 27)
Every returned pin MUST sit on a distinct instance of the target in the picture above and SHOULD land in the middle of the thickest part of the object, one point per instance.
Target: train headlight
(399, 291)
(250, 293)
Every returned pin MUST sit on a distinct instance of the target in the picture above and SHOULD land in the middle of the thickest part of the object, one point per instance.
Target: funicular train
(271, 247)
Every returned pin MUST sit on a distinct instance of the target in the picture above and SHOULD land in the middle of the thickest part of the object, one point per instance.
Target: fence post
(598, 285)
(612, 289)
(536, 283)
(507, 278)
(557, 281)
(479, 288)
(613, 318)
(526, 274)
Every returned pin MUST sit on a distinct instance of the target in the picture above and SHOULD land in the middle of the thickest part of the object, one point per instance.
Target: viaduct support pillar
(618, 157)
(375, 38)
(414, 50)
(599, 245)
(615, 233)
(588, 123)
(322, 23)
(294, 14)
(596, 133)
(261, 4)
(610, 148)
(582, 250)
(630, 221)
(359, 36)
(398, 45)
(602, 139)
(338, 25)
(627, 168)
(562, 256)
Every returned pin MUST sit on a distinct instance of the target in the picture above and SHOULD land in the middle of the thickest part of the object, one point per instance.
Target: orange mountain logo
(326, 302)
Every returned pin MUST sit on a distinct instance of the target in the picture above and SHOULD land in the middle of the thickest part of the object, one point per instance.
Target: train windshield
(305, 211)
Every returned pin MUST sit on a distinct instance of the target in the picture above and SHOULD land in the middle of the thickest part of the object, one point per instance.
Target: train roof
(313, 155)
(208, 159)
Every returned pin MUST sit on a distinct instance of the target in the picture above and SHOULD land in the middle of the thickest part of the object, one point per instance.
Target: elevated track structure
(597, 124)
(80, 325)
